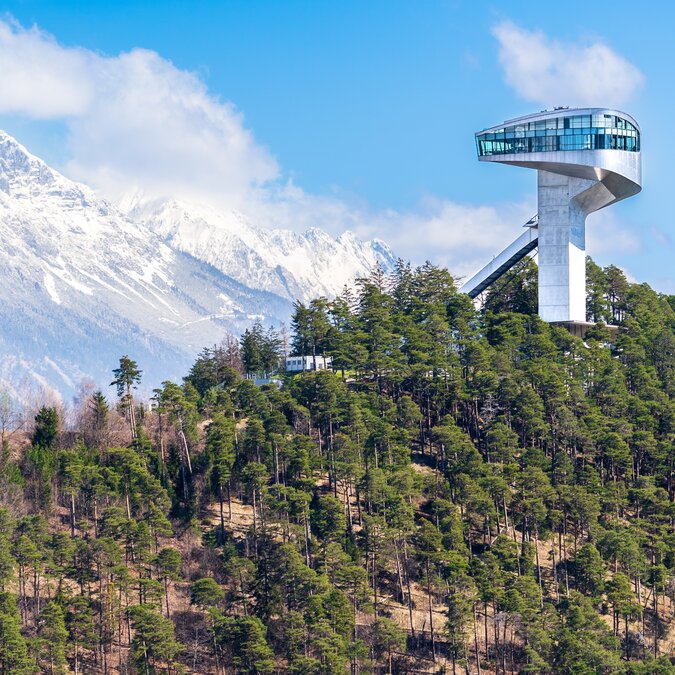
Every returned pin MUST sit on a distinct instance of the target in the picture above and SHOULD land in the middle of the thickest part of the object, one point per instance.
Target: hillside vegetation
(468, 492)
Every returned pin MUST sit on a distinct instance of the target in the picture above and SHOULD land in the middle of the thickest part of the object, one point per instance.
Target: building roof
(561, 112)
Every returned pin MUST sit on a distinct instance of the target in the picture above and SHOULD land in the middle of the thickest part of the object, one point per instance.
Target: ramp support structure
(502, 263)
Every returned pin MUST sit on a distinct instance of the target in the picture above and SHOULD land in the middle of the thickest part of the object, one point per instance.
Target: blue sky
(350, 114)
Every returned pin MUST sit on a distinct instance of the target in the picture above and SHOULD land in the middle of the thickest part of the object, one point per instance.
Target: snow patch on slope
(50, 287)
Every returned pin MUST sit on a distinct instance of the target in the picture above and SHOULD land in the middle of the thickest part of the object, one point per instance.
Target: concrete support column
(562, 247)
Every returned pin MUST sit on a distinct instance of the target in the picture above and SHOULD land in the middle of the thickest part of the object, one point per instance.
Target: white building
(297, 364)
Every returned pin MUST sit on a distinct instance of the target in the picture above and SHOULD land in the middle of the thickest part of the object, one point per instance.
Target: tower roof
(559, 112)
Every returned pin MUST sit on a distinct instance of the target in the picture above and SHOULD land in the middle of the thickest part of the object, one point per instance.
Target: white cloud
(607, 237)
(461, 237)
(550, 72)
(464, 237)
(39, 77)
(134, 120)
(137, 123)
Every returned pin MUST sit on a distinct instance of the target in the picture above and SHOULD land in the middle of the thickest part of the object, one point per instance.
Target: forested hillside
(468, 492)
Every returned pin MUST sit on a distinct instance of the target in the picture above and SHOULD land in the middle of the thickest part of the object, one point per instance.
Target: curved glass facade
(572, 132)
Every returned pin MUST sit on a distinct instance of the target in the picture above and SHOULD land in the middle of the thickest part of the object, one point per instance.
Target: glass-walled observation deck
(571, 132)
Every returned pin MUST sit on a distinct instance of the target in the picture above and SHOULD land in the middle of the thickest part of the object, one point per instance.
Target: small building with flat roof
(296, 364)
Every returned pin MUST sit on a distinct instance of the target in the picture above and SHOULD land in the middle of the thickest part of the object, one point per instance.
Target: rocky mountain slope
(84, 282)
(284, 262)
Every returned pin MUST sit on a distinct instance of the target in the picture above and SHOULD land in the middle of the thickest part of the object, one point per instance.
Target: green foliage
(387, 638)
(80, 623)
(487, 487)
(14, 656)
(216, 367)
(168, 562)
(126, 377)
(589, 570)
(328, 518)
(46, 428)
(52, 635)
(260, 350)
(206, 592)
(516, 291)
(245, 638)
(584, 644)
(154, 646)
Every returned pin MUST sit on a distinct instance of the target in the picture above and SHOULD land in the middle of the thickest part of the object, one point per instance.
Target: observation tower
(586, 159)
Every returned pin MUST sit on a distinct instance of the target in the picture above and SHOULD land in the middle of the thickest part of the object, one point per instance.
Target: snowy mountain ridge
(85, 282)
(281, 261)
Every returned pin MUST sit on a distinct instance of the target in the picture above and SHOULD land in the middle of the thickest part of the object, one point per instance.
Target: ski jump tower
(586, 159)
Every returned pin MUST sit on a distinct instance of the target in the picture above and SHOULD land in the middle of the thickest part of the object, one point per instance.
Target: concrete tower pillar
(562, 247)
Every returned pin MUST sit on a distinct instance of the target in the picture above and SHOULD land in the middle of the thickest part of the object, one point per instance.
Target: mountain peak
(16, 155)
(25, 176)
(20, 169)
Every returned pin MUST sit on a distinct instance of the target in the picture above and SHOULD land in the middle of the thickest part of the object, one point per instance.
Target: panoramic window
(573, 132)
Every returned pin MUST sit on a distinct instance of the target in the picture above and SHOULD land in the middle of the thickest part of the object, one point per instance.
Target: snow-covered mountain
(82, 282)
(284, 262)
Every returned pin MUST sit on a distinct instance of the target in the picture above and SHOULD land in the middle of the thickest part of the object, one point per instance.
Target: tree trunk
(186, 449)
(255, 532)
(555, 570)
(656, 623)
(431, 618)
(536, 555)
(407, 581)
(475, 640)
(72, 514)
(166, 595)
(222, 514)
(399, 575)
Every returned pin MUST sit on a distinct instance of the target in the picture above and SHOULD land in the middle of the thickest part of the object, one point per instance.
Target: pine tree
(52, 635)
(154, 641)
(246, 638)
(168, 563)
(100, 416)
(40, 462)
(206, 592)
(387, 639)
(220, 439)
(79, 622)
(127, 378)
(14, 657)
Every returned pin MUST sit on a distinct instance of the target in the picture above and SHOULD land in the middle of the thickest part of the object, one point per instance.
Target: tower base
(580, 328)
